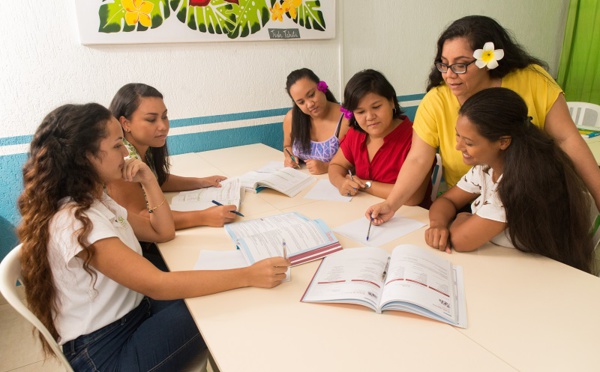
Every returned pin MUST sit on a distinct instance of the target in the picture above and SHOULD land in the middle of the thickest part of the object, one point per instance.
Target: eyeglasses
(457, 68)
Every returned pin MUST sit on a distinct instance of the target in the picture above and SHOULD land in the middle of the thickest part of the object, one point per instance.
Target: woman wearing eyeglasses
(475, 53)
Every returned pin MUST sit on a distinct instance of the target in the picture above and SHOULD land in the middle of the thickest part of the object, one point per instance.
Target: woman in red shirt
(374, 149)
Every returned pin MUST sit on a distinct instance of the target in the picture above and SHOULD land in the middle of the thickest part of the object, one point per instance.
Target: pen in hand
(292, 156)
(369, 231)
(350, 174)
(220, 205)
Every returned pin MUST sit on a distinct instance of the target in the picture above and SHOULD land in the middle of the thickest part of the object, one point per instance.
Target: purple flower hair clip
(322, 86)
(347, 113)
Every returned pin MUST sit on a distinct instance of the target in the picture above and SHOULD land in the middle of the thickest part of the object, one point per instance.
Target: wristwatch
(368, 184)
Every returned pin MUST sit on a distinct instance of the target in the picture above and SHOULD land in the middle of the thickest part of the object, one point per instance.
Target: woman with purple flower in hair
(313, 128)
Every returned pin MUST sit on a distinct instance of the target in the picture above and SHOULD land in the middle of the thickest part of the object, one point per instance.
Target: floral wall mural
(156, 21)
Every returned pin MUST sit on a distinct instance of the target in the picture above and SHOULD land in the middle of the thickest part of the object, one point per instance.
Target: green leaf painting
(233, 18)
(132, 15)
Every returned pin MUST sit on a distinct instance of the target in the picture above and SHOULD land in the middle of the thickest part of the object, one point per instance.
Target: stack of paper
(306, 240)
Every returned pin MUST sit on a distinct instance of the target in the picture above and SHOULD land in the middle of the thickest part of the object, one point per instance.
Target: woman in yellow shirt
(476, 53)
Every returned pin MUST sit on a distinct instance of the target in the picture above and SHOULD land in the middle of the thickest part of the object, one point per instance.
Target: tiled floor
(19, 349)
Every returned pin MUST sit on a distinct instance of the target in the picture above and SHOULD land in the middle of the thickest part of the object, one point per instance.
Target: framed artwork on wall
(172, 21)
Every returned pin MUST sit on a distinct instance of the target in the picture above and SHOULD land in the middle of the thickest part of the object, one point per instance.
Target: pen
(369, 231)
(284, 248)
(350, 173)
(387, 266)
(220, 205)
(291, 156)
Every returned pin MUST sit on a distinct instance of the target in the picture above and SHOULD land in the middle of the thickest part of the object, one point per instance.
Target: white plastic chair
(585, 115)
(10, 272)
(436, 177)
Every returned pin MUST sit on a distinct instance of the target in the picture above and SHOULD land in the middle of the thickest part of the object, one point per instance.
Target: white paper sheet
(324, 190)
(380, 235)
(225, 260)
(220, 260)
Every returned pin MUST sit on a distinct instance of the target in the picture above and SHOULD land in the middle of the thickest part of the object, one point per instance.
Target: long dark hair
(363, 83)
(301, 121)
(479, 30)
(124, 103)
(57, 167)
(546, 202)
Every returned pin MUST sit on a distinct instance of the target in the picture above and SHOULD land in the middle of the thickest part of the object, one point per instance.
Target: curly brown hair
(57, 167)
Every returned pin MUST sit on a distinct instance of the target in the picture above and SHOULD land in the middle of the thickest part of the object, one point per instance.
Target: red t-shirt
(388, 160)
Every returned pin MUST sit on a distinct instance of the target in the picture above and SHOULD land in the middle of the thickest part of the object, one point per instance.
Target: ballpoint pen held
(220, 205)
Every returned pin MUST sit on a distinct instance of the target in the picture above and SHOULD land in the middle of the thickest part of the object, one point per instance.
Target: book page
(352, 275)
(306, 240)
(287, 181)
(230, 192)
(421, 282)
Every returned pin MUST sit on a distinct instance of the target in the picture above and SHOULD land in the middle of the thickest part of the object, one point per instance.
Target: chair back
(436, 177)
(585, 115)
(10, 273)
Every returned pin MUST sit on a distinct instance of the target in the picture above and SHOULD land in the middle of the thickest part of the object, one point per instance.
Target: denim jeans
(155, 336)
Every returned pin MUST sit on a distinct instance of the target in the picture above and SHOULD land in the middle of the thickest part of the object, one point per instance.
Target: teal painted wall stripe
(270, 133)
(17, 140)
(176, 123)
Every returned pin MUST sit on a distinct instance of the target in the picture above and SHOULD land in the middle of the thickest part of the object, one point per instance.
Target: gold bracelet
(151, 210)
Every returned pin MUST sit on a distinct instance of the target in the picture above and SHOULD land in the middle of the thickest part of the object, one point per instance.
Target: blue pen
(369, 231)
(220, 205)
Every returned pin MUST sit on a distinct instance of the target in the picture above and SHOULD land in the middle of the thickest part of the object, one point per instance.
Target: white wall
(42, 64)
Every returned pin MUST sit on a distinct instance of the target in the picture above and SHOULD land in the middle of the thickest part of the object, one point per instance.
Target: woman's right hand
(218, 216)
(135, 170)
(380, 213)
(268, 273)
(288, 162)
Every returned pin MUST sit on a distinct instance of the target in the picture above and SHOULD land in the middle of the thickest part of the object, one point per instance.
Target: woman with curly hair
(84, 275)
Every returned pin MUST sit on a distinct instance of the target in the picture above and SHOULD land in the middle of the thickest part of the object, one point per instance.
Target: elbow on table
(464, 245)
(165, 237)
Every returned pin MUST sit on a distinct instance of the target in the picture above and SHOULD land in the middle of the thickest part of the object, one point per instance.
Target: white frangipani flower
(488, 56)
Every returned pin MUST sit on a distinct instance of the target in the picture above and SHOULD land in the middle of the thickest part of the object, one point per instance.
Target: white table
(525, 312)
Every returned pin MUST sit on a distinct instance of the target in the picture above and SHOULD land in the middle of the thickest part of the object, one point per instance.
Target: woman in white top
(83, 271)
(525, 191)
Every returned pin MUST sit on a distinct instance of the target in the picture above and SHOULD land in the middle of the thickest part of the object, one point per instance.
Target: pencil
(220, 205)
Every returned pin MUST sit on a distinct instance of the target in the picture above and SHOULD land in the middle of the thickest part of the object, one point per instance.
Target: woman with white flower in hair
(476, 53)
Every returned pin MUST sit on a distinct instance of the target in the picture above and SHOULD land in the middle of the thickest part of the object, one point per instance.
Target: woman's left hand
(212, 181)
(316, 166)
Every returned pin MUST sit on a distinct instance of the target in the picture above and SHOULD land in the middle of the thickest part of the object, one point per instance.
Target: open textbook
(306, 240)
(411, 279)
(287, 181)
(230, 192)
